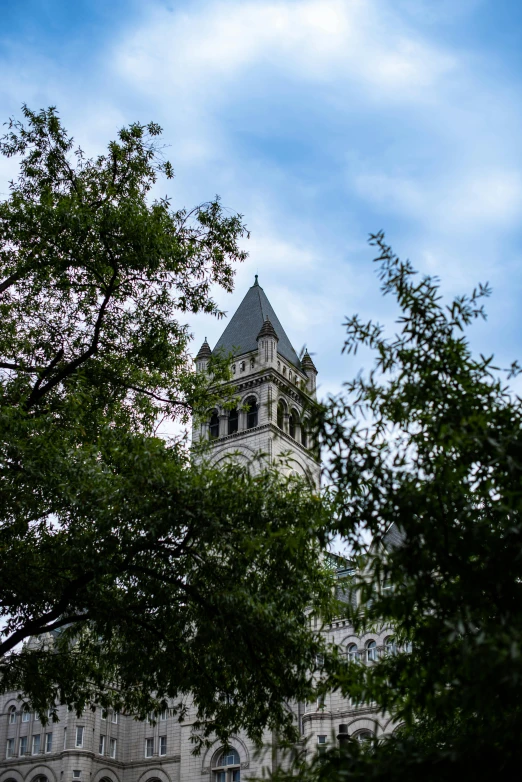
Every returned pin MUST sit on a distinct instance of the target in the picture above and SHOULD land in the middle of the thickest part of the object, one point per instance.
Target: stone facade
(274, 390)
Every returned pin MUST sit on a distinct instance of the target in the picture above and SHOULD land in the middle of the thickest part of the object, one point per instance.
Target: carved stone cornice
(270, 376)
(229, 438)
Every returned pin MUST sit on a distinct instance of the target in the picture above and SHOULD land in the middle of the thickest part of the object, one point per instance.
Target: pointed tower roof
(240, 335)
(204, 351)
(307, 363)
(267, 330)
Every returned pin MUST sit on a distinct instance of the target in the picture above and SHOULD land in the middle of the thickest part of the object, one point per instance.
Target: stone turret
(203, 357)
(267, 340)
(310, 371)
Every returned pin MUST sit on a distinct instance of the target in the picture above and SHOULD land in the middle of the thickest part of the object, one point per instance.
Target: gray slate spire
(240, 335)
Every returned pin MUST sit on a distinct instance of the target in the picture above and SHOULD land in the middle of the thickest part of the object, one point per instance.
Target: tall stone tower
(274, 392)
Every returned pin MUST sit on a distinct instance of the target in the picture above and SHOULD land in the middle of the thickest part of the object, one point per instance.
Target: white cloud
(402, 131)
(485, 198)
(201, 53)
(489, 198)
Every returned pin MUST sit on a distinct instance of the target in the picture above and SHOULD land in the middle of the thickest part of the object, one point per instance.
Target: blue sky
(320, 121)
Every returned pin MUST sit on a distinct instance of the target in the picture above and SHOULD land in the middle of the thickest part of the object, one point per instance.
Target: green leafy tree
(426, 461)
(141, 576)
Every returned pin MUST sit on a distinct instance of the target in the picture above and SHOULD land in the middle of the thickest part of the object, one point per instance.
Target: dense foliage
(143, 576)
(430, 443)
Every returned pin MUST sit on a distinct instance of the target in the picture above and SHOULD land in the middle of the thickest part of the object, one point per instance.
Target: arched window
(251, 405)
(371, 651)
(363, 735)
(292, 421)
(304, 434)
(26, 714)
(281, 410)
(390, 645)
(214, 425)
(12, 715)
(233, 421)
(227, 766)
(351, 653)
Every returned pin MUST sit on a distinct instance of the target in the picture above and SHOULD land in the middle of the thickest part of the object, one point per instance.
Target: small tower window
(242, 366)
(280, 415)
(233, 369)
(252, 409)
(233, 421)
(214, 425)
(284, 370)
(252, 363)
(292, 424)
(304, 435)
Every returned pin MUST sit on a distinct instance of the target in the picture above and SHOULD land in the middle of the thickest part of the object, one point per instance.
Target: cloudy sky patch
(320, 122)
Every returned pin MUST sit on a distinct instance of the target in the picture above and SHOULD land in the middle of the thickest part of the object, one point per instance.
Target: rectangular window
(48, 742)
(163, 745)
(115, 717)
(12, 715)
(221, 776)
(64, 738)
(23, 745)
(26, 715)
(36, 717)
(149, 748)
(236, 775)
(321, 739)
(79, 736)
(36, 744)
(77, 774)
(101, 749)
(164, 714)
(112, 748)
(10, 748)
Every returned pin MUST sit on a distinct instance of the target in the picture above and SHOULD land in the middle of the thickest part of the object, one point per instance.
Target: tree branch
(40, 624)
(156, 396)
(14, 277)
(190, 591)
(38, 392)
